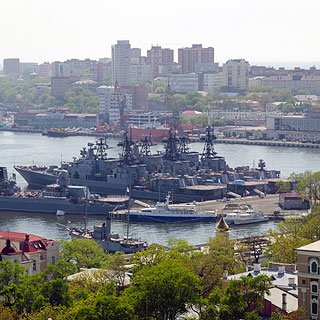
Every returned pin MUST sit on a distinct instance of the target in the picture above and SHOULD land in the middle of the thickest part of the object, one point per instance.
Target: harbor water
(32, 148)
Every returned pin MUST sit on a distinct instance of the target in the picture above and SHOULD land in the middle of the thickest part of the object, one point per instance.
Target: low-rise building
(34, 253)
(47, 120)
(309, 83)
(283, 294)
(293, 200)
(295, 127)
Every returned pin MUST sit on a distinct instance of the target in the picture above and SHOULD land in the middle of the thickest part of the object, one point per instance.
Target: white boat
(239, 217)
(166, 212)
(60, 213)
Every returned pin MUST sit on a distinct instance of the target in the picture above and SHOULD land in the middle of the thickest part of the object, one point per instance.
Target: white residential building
(235, 74)
(184, 83)
(121, 62)
(140, 73)
(212, 82)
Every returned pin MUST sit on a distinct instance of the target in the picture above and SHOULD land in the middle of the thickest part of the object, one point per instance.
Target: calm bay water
(28, 148)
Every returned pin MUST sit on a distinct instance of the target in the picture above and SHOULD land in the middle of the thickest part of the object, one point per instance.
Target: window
(314, 307)
(313, 265)
(34, 266)
(314, 287)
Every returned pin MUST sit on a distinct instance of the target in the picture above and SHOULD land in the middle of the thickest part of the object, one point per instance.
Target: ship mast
(145, 145)
(183, 144)
(171, 148)
(101, 149)
(127, 156)
(208, 149)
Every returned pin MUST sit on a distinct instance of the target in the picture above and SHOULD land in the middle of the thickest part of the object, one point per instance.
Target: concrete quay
(273, 143)
(267, 205)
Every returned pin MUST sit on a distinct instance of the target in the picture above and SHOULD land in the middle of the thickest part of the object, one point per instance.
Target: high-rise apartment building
(121, 62)
(189, 57)
(157, 56)
(11, 66)
(235, 74)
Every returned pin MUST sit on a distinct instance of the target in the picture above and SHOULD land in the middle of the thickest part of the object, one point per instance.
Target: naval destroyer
(189, 176)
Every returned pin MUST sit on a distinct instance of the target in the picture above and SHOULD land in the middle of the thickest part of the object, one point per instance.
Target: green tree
(163, 291)
(7, 313)
(211, 266)
(10, 276)
(242, 299)
(84, 253)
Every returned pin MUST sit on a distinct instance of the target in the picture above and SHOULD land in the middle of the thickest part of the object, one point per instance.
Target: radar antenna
(261, 164)
(83, 152)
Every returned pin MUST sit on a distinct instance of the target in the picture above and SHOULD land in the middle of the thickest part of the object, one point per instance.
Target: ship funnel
(63, 179)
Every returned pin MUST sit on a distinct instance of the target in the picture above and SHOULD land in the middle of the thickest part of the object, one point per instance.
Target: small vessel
(238, 217)
(166, 212)
(60, 213)
(108, 241)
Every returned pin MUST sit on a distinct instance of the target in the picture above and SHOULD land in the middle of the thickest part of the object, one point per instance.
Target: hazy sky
(259, 31)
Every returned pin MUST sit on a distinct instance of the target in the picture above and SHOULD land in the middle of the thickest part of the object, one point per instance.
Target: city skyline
(276, 33)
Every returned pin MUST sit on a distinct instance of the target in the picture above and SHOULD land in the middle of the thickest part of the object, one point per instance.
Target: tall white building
(121, 62)
(212, 82)
(235, 74)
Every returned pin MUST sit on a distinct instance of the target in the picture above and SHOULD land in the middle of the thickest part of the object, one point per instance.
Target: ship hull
(42, 179)
(39, 205)
(114, 245)
(171, 218)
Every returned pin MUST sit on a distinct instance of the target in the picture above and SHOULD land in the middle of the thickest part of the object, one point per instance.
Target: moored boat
(164, 212)
(238, 217)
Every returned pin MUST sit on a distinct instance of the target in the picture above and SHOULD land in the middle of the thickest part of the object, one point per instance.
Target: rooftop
(315, 246)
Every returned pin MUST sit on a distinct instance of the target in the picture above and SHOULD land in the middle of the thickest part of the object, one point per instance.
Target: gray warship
(59, 196)
(189, 176)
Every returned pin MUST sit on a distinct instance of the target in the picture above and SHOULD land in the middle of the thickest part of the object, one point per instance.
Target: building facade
(121, 62)
(308, 265)
(158, 56)
(307, 83)
(34, 253)
(189, 57)
(236, 75)
(11, 66)
(184, 83)
(294, 127)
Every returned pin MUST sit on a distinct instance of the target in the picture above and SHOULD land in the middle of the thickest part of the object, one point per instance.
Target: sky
(272, 32)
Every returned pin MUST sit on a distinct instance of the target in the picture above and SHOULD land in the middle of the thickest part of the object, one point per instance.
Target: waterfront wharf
(269, 206)
(272, 143)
